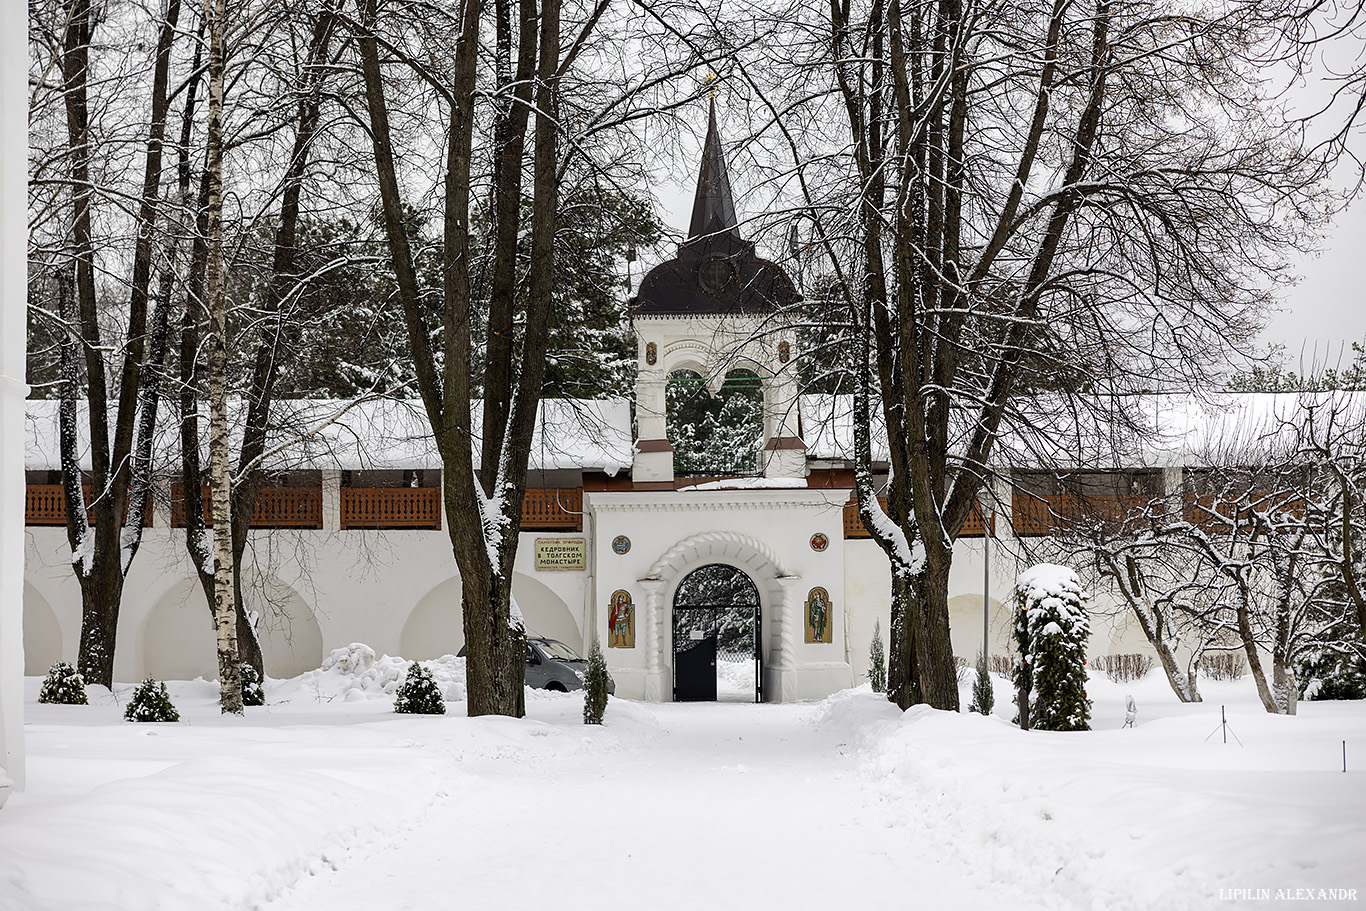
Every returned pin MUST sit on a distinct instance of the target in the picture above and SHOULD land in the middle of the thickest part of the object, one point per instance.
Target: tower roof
(716, 271)
(713, 206)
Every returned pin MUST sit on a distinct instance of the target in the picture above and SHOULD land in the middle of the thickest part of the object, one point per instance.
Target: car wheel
(556, 687)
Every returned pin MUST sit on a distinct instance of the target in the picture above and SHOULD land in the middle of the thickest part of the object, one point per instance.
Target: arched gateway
(717, 645)
(727, 573)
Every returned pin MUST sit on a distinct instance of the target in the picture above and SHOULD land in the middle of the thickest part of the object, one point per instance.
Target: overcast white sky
(1327, 310)
(1319, 318)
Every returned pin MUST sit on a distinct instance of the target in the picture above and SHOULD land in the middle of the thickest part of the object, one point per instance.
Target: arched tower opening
(715, 435)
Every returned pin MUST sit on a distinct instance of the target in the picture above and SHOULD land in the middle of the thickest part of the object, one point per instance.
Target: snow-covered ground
(326, 799)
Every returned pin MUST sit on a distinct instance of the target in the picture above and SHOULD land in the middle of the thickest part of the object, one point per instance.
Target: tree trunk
(220, 476)
(1254, 661)
(903, 685)
(933, 647)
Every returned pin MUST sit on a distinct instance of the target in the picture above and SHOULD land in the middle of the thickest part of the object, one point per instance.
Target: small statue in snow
(1130, 711)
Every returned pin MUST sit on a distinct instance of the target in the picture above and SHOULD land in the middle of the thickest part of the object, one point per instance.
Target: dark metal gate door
(697, 634)
(695, 668)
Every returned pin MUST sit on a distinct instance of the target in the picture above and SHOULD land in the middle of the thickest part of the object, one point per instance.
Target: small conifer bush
(595, 686)
(983, 696)
(151, 702)
(418, 694)
(253, 693)
(63, 686)
(1051, 629)
(877, 660)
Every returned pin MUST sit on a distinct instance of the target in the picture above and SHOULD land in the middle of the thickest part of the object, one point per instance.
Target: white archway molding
(714, 362)
(435, 625)
(778, 596)
(42, 634)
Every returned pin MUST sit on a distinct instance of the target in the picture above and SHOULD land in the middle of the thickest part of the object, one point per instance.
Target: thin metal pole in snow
(1223, 725)
(986, 584)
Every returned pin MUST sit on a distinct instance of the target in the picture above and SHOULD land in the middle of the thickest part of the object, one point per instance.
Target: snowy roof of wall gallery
(372, 434)
(1175, 430)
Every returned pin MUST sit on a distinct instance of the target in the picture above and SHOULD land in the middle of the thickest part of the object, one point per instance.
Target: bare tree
(1027, 210)
(545, 120)
(98, 135)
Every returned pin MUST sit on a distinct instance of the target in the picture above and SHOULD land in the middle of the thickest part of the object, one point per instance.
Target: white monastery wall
(399, 591)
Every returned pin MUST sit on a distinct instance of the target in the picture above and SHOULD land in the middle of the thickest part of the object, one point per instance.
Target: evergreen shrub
(1051, 629)
(253, 693)
(983, 696)
(877, 660)
(63, 686)
(418, 694)
(151, 702)
(1333, 675)
(595, 686)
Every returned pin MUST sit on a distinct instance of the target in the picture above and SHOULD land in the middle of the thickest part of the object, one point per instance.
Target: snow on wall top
(1174, 430)
(375, 434)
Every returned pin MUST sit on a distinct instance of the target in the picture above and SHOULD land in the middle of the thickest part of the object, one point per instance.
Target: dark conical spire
(713, 208)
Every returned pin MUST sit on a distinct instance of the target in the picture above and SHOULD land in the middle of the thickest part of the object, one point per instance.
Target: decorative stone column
(782, 671)
(784, 453)
(655, 671)
(654, 455)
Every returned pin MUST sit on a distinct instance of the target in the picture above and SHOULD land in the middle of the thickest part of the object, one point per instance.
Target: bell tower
(715, 307)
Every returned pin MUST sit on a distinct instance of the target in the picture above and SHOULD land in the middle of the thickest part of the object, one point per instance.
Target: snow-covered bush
(151, 702)
(419, 694)
(1222, 665)
(354, 659)
(595, 686)
(253, 693)
(1051, 629)
(355, 674)
(1123, 668)
(877, 660)
(983, 696)
(63, 686)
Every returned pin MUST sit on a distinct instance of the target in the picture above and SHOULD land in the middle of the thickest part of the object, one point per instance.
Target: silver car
(552, 665)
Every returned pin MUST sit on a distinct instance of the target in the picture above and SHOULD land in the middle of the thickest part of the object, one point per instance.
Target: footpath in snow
(326, 799)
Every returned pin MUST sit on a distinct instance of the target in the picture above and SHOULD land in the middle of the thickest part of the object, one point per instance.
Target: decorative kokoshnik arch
(780, 602)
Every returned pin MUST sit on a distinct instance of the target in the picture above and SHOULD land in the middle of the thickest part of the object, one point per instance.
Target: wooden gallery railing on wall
(276, 507)
(545, 509)
(391, 507)
(1044, 514)
(553, 509)
(45, 504)
(854, 527)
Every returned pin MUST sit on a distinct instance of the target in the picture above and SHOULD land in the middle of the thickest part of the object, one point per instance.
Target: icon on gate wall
(819, 542)
(818, 615)
(621, 544)
(621, 621)
(651, 353)
(784, 352)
